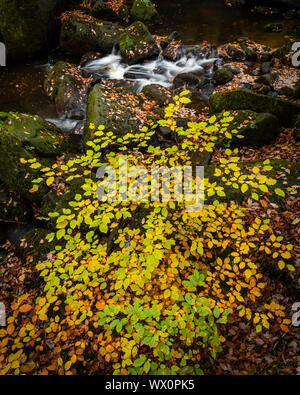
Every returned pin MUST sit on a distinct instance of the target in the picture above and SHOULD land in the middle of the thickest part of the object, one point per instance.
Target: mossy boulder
(66, 86)
(289, 177)
(222, 76)
(28, 27)
(103, 11)
(27, 136)
(240, 99)
(137, 44)
(12, 208)
(257, 129)
(156, 92)
(144, 11)
(81, 34)
(110, 107)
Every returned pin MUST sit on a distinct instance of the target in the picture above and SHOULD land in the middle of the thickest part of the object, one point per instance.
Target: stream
(21, 84)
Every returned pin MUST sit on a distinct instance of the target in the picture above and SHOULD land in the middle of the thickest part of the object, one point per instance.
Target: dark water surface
(214, 22)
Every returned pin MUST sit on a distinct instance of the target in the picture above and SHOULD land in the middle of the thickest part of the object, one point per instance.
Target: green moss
(144, 10)
(222, 76)
(136, 43)
(284, 110)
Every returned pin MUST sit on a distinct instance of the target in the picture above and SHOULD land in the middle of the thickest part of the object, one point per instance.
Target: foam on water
(159, 71)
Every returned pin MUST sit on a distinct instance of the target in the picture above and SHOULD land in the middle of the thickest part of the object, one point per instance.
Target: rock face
(256, 129)
(105, 108)
(27, 136)
(136, 43)
(66, 86)
(81, 34)
(28, 27)
(144, 11)
(285, 111)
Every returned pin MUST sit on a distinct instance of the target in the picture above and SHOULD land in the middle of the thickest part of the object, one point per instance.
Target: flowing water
(159, 71)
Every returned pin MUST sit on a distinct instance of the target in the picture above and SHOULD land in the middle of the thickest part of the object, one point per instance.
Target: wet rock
(189, 81)
(274, 27)
(27, 136)
(156, 93)
(250, 53)
(67, 87)
(265, 68)
(260, 10)
(172, 37)
(233, 52)
(82, 34)
(28, 27)
(284, 110)
(137, 44)
(104, 108)
(88, 57)
(144, 11)
(265, 79)
(257, 129)
(103, 11)
(222, 76)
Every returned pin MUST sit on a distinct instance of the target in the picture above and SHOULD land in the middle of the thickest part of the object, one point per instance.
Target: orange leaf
(25, 308)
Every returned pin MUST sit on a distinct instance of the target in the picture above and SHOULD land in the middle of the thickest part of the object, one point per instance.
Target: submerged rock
(28, 27)
(144, 11)
(284, 110)
(137, 44)
(81, 34)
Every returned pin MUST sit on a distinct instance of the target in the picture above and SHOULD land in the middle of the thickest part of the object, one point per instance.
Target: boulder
(137, 44)
(156, 92)
(81, 34)
(222, 76)
(109, 107)
(67, 87)
(281, 167)
(257, 129)
(103, 11)
(144, 11)
(239, 99)
(28, 27)
(27, 136)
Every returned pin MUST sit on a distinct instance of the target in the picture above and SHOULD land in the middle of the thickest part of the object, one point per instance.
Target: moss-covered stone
(222, 76)
(104, 108)
(257, 129)
(103, 11)
(81, 34)
(156, 93)
(26, 136)
(28, 27)
(144, 11)
(68, 89)
(284, 110)
(289, 169)
(136, 43)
